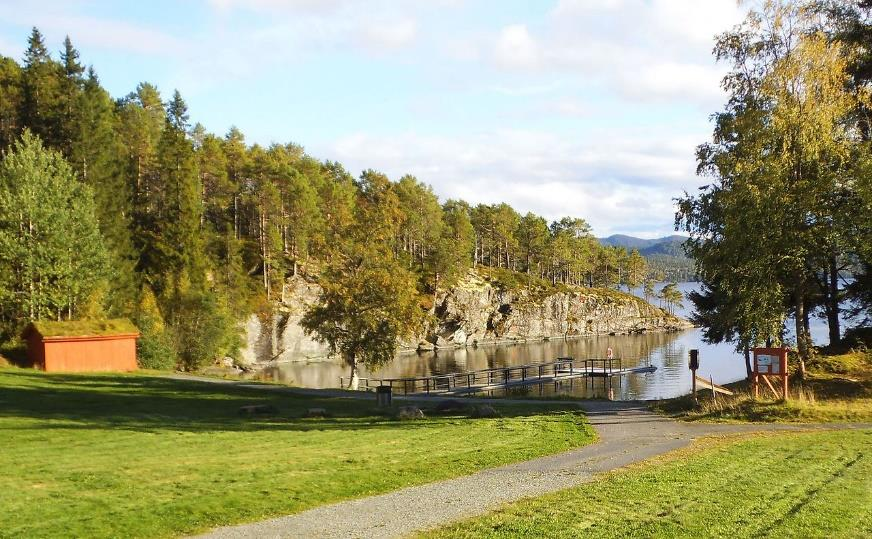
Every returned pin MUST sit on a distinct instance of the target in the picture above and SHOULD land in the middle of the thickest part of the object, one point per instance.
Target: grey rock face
(278, 336)
(476, 312)
(471, 313)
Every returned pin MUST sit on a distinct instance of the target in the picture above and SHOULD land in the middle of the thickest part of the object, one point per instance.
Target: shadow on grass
(154, 404)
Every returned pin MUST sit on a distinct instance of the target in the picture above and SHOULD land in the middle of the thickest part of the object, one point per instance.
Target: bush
(203, 329)
(154, 350)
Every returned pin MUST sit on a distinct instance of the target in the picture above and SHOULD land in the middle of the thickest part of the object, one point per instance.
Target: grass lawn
(838, 388)
(138, 455)
(788, 485)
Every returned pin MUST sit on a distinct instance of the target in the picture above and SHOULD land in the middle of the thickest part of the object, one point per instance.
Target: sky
(583, 108)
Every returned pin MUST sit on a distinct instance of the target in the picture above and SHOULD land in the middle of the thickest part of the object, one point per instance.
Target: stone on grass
(316, 412)
(483, 411)
(257, 409)
(450, 405)
(409, 413)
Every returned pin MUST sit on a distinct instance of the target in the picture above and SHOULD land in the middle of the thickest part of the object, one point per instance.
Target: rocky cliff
(477, 311)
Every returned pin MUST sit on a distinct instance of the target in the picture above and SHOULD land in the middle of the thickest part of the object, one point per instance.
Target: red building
(82, 345)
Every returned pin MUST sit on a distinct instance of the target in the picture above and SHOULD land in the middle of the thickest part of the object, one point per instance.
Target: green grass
(796, 485)
(137, 456)
(837, 388)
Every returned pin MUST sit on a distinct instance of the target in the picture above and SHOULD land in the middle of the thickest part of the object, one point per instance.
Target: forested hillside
(197, 230)
(665, 257)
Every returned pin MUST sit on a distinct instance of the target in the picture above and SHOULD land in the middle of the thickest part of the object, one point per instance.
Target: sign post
(771, 363)
(694, 365)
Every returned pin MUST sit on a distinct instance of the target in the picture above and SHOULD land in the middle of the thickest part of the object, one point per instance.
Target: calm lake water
(667, 351)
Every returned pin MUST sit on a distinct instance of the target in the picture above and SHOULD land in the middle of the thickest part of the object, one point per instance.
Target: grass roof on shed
(76, 328)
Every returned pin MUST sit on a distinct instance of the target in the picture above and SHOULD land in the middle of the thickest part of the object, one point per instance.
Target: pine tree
(42, 108)
(98, 158)
(141, 123)
(177, 112)
(176, 247)
(70, 91)
(10, 101)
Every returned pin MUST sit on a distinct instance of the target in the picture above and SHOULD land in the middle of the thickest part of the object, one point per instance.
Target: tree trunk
(801, 337)
(833, 300)
(354, 379)
(748, 369)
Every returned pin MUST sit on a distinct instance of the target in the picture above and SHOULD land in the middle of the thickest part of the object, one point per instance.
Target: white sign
(768, 364)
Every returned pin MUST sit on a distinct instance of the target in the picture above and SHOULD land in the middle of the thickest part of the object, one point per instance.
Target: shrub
(154, 350)
(203, 329)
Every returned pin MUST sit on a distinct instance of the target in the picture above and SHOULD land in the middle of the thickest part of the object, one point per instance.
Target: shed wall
(118, 354)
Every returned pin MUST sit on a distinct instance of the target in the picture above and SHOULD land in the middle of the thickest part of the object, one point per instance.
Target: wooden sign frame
(771, 363)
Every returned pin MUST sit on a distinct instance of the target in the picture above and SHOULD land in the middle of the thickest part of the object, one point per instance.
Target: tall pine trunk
(801, 335)
(748, 369)
(833, 303)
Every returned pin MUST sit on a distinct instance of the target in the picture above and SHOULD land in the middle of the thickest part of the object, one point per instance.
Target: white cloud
(567, 106)
(672, 80)
(276, 6)
(390, 35)
(641, 49)
(92, 31)
(515, 47)
(613, 182)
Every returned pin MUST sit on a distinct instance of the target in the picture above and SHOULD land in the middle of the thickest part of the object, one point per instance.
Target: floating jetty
(466, 383)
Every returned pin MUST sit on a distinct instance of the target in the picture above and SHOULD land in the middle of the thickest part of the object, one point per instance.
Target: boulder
(450, 405)
(426, 346)
(316, 412)
(409, 413)
(442, 342)
(257, 409)
(482, 411)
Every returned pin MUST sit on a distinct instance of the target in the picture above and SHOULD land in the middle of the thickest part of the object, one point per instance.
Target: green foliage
(784, 206)
(369, 300)
(512, 281)
(672, 296)
(154, 348)
(41, 105)
(96, 156)
(10, 101)
(203, 329)
(210, 221)
(51, 253)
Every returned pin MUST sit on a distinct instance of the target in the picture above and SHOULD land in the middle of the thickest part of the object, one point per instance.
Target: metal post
(694, 365)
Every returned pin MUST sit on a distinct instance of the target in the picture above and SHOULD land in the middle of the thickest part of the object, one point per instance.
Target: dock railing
(492, 378)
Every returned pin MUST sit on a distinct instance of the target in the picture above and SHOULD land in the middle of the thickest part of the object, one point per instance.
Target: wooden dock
(501, 378)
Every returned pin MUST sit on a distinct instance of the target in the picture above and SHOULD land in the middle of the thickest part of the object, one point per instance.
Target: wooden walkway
(466, 383)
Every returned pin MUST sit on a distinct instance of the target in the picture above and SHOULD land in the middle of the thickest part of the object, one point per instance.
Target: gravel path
(628, 432)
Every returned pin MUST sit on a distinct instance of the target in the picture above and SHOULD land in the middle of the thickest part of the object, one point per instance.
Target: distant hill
(665, 255)
(669, 245)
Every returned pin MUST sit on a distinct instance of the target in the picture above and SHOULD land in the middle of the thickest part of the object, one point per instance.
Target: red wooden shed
(82, 345)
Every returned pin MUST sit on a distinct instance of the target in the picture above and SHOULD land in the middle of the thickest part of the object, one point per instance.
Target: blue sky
(589, 108)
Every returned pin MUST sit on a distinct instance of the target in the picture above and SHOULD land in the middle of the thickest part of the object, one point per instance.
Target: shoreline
(406, 351)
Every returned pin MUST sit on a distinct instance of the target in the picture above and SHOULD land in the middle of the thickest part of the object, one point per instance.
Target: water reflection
(667, 351)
